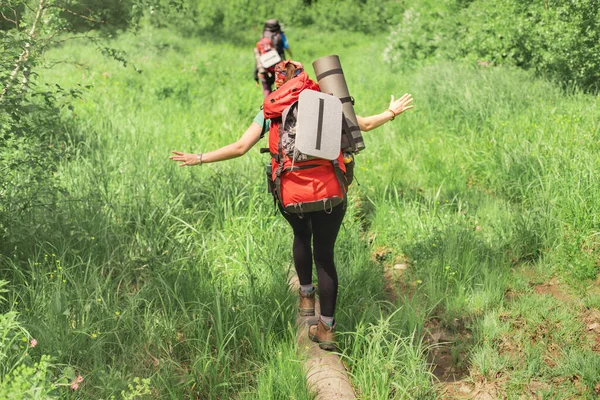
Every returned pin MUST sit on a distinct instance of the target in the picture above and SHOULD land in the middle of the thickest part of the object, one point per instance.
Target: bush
(30, 149)
(424, 32)
(554, 38)
(560, 39)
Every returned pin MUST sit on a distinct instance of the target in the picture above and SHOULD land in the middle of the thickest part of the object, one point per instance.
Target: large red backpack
(306, 184)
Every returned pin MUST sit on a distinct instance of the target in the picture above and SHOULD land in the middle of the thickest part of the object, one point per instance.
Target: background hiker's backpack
(298, 182)
(272, 30)
(276, 41)
(272, 25)
(268, 55)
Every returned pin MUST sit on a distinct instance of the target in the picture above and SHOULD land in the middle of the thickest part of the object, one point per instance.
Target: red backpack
(264, 46)
(299, 183)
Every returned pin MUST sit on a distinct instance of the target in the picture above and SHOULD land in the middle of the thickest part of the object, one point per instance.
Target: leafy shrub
(27, 162)
(368, 16)
(558, 39)
(29, 382)
(424, 32)
(84, 15)
(561, 39)
(31, 146)
(108, 16)
(11, 15)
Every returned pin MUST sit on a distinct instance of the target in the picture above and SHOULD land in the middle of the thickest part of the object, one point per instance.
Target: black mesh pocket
(270, 183)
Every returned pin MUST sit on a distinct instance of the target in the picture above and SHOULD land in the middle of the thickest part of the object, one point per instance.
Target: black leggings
(322, 228)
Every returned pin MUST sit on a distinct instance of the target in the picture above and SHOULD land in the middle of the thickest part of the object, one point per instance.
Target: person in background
(315, 232)
(272, 37)
(273, 31)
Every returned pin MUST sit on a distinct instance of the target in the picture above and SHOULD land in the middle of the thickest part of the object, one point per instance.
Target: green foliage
(13, 341)
(32, 127)
(138, 389)
(29, 153)
(20, 376)
(85, 15)
(10, 15)
(425, 31)
(554, 38)
(557, 38)
(108, 17)
(29, 382)
(368, 16)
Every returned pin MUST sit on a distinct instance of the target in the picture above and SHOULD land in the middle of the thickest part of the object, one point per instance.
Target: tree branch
(54, 42)
(14, 21)
(20, 64)
(81, 15)
(55, 63)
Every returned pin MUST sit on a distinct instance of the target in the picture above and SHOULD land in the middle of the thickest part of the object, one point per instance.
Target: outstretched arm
(397, 107)
(233, 150)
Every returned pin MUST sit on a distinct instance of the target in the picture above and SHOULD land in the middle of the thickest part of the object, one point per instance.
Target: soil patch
(555, 289)
(394, 282)
(591, 319)
(448, 351)
(480, 389)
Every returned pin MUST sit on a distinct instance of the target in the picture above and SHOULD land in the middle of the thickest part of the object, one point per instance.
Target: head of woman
(287, 70)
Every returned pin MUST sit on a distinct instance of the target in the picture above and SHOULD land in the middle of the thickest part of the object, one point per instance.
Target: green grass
(179, 274)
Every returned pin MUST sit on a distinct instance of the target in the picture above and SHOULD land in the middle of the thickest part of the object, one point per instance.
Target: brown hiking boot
(306, 303)
(323, 334)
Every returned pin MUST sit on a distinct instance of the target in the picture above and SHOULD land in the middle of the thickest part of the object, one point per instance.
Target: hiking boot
(323, 334)
(306, 303)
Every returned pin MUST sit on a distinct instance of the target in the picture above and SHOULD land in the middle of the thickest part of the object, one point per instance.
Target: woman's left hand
(188, 159)
(402, 104)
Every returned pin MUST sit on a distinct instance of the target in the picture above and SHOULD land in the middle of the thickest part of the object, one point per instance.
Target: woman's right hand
(402, 104)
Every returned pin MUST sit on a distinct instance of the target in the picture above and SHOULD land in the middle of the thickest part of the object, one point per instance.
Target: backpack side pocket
(270, 183)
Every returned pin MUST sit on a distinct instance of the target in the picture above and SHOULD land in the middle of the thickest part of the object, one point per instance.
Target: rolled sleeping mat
(330, 77)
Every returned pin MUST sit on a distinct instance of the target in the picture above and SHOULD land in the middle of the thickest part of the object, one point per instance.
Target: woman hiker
(320, 227)
(277, 39)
